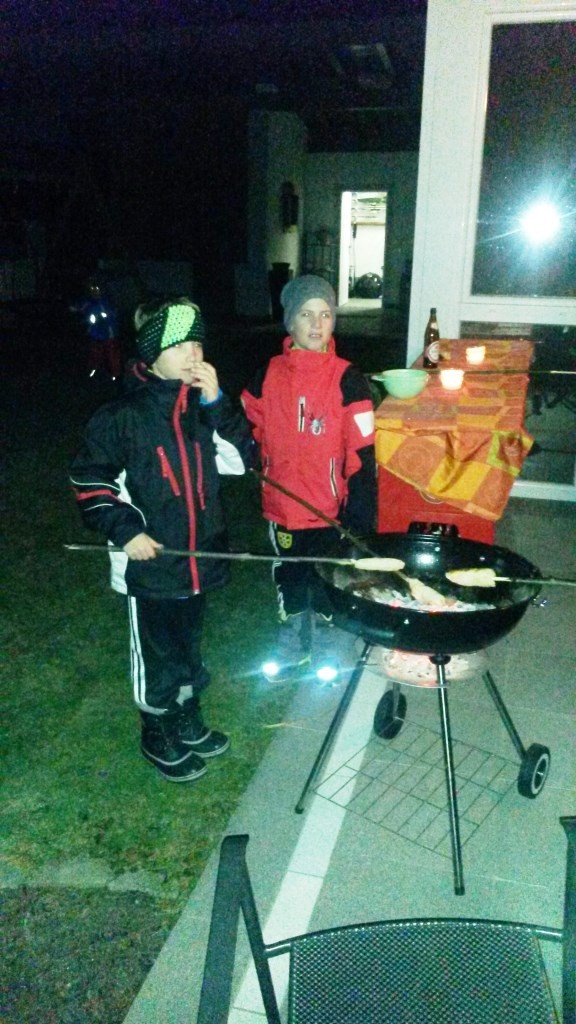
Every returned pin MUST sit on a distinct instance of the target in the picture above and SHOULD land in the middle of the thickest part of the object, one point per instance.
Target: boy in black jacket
(147, 478)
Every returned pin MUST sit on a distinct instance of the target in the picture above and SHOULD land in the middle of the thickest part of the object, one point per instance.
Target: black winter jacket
(150, 464)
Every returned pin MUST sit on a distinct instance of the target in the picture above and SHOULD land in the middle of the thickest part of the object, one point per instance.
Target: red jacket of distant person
(312, 417)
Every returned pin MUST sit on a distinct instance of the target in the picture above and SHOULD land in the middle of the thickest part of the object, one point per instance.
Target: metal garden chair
(423, 971)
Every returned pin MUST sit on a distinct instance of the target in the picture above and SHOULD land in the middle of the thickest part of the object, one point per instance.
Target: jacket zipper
(199, 476)
(168, 472)
(179, 408)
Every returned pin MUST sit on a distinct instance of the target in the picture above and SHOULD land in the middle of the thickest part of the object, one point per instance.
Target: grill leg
(503, 712)
(334, 725)
(440, 661)
(395, 698)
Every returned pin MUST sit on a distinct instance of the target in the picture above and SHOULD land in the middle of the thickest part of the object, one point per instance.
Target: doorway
(362, 249)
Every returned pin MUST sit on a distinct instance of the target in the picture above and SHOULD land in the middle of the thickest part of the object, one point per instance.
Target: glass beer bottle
(431, 354)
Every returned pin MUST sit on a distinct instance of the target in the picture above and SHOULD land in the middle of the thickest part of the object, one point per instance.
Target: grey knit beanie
(300, 290)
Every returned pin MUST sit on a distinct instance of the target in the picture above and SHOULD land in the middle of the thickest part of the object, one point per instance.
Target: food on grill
(424, 594)
(472, 577)
(379, 564)
(420, 591)
(425, 604)
(380, 590)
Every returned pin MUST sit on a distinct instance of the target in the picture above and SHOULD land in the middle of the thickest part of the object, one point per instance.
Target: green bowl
(402, 383)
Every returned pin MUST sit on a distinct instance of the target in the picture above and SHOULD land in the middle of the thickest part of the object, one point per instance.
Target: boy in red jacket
(312, 417)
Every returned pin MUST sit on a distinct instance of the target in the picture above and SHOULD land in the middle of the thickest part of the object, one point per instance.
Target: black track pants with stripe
(298, 586)
(165, 651)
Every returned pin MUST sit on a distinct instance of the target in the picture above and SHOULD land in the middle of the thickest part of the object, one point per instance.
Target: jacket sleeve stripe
(365, 422)
(95, 483)
(83, 495)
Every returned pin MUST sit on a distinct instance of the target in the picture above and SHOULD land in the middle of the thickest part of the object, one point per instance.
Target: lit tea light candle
(475, 354)
(451, 379)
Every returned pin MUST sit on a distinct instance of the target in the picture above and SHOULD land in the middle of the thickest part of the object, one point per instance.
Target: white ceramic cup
(475, 354)
(451, 379)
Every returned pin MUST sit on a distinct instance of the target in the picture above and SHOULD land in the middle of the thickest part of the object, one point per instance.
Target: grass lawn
(74, 783)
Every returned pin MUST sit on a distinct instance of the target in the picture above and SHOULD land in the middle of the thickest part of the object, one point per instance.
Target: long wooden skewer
(370, 564)
(545, 580)
(347, 534)
(419, 591)
(481, 577)
(485, 577)
(469, 368)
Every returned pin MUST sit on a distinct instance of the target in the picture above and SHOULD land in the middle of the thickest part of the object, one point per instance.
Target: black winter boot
(195, 735)
(162, 747)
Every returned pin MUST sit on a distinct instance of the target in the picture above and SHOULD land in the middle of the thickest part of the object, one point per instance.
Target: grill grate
(400, 785)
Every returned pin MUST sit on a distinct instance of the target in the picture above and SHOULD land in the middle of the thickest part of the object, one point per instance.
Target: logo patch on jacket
(284, 540)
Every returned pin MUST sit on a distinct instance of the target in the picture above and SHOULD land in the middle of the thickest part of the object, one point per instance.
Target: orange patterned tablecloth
(463, 447)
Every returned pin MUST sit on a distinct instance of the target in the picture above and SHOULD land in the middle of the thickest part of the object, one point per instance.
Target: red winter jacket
(313, 418)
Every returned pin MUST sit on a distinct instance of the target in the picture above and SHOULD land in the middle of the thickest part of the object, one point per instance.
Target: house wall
(276, 155)
(327, 175)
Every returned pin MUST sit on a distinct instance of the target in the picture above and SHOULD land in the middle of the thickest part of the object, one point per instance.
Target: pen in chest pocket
(301, 413)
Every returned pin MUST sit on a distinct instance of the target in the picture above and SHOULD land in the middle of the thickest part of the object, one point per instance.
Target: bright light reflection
(427, 559)
(327, 673)
(540, 222)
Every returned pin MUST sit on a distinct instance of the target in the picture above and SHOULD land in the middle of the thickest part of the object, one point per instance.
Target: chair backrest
(233, 895)
(447, 969)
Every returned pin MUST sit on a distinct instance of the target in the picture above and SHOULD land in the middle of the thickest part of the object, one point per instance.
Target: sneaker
(275, 670)
(292, 651)
(326, 664)
(328, 671)
(161, 747)
(196, 736)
